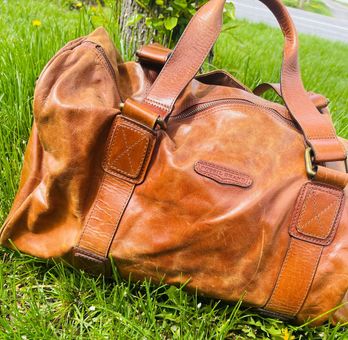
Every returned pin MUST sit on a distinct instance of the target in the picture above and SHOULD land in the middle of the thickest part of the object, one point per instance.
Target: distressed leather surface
(226, 232)
(194, 46)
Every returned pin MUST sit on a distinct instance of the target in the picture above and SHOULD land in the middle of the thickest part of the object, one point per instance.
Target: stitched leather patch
(222, 175)
(317, 214)
(129, 148)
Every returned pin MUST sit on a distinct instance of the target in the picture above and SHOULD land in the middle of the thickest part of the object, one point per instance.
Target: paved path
(338, 10)
(306, 22)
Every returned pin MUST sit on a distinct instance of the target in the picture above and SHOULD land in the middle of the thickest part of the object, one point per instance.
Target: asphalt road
(332, 28)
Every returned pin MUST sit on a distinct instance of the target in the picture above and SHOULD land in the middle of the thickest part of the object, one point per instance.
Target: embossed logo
(222, 174)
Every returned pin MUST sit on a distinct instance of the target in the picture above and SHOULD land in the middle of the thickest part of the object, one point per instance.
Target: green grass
(315, 6)
(255, 55)
(43, 300)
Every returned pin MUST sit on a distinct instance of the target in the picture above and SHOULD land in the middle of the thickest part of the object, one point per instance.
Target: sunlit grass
(43, 300)
(254, 55)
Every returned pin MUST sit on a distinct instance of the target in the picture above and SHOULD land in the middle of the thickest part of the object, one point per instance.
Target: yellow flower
(36, 23)
(78, 4)
(287, 335)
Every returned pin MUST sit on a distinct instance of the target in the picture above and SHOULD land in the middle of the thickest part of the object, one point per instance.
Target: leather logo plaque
(222, 175)
(129, 148)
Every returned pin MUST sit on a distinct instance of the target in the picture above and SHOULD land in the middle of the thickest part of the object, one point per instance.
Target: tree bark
(302, 3)
(132, 36)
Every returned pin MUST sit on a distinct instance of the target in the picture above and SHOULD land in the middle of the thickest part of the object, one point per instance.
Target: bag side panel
(74, 105)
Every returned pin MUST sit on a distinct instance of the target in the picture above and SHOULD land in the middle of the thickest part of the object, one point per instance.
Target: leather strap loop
(153, 54)
(331, 176)
(318, 100)
(194, 46)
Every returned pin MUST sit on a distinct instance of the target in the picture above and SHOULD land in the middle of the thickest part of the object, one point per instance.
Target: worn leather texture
(187, 179)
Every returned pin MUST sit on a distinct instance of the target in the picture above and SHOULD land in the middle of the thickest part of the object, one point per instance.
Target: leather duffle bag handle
(189, 55)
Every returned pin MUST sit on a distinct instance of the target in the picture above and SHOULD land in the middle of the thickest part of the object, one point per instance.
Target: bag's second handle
(194, 46)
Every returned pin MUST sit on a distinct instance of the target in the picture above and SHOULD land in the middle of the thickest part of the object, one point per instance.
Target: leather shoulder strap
(318, 100)
(187, 57)
(194, 46)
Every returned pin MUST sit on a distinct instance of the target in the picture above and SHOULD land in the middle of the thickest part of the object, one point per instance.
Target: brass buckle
(161, 123)
(310, 167)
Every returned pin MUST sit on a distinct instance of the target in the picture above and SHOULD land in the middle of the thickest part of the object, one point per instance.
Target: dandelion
(78, 5)
(36, 23)
(287, 335)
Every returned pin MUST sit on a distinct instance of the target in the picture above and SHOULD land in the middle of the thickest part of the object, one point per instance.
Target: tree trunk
(303, 2)
(136, 35)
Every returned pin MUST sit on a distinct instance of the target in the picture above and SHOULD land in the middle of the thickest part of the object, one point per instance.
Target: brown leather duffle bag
(187, 179)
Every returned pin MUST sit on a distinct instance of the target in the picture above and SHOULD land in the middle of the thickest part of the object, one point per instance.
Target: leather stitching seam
(128, 148)
(101, 61)
(170, 62)
(117, 223)
(317, 217)
(293, 227)
(239, 177)
(310, 281)
(293, 311)
(87, 224)
(80, 252)
(236, 173)
(271, 303)
(167, 64)
(157, 104)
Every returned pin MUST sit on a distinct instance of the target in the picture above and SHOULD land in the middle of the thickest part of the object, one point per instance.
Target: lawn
(43, 300)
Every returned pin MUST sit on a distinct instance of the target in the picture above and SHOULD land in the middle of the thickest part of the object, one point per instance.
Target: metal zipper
(108, 62)
(102, 53)
(202, 107)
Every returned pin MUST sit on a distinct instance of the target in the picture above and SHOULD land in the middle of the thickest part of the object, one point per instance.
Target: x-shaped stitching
(317, 212)
(128, 148)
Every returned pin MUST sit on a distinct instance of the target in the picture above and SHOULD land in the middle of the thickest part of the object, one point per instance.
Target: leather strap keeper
(141, 113)
(331, 176)
(154, 54)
